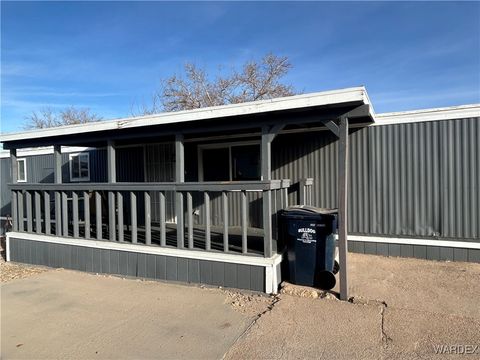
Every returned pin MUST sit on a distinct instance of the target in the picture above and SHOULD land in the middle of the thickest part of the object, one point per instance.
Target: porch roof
(292, 110)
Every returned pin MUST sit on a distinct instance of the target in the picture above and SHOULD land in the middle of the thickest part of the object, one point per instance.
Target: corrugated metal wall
(130, 167)
(413, 179)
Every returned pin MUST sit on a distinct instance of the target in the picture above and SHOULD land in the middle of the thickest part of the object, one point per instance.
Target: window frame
(224, 145)
(70, 163)
(24, 161)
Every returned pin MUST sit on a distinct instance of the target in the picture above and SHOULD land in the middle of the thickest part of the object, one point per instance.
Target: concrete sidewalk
(73, 315)
(402, 309)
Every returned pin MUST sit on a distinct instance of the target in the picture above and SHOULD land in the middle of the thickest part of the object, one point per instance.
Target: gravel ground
(11, 271)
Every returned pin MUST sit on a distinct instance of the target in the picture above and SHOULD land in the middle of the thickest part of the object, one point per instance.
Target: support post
(112, 178)
(269, 245)
(179, 177)
(342, 205)
(14, 210)
(57, 174)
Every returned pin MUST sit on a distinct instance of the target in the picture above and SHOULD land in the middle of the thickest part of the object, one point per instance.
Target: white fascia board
(47, 150)
(256, 107)
(155, 250)
(435, 114)
(415, 241)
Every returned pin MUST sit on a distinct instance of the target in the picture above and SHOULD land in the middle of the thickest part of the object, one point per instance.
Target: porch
(123, 212)
(198, 210)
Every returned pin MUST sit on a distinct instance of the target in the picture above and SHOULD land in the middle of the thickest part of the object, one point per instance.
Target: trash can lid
(307, 209)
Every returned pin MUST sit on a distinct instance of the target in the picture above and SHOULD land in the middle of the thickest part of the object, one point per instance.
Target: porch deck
(254, 237)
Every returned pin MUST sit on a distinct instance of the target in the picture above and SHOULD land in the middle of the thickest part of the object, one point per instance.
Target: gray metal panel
(142, 265)
(406, 250)
(433, 253)
(460, 255)
(151, 266)
(160, 267)
(419, 251)
(205, 272)
(218, 273)
(5, 193)
(370, 248)
(394, 250)
(138, 265)
(382, 249)
(194, 270)
(172, 271)
(410, 179)
(474, 255)
(446, 254)
(182, 269)
(257, 278)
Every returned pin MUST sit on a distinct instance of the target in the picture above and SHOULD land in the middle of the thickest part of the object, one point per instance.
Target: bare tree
(257, 80)
(48, 117)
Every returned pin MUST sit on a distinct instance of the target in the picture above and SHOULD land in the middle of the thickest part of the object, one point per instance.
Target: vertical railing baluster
(163, 225)
(14, 211)
(46, 203)
(285, 196)
(244, 223)
(65, 213)
(208, 244)
(267, 223)
(21, 220)
(148, 219)
(38, 213)
(76, 232)
(111, 216)
(225, 220)
(120, 216)
(58, 213)
(190, 219)
(98, 215)
(133, 209)
(274, 214)
(28, 199)
(86, 213)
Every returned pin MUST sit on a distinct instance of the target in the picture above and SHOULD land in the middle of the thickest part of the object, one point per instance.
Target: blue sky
(109, 56)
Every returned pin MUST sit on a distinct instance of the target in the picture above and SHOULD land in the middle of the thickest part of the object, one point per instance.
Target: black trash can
(308, 233)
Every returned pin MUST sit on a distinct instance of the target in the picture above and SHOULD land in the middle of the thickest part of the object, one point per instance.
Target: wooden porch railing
(110, 211)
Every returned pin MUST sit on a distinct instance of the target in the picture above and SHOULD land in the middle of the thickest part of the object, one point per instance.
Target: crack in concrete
(385, 338)
(269, 308)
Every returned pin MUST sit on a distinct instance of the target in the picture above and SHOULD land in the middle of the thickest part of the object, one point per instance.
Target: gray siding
(412, 180)
(140, 265)
(415, 251)
(416, 179)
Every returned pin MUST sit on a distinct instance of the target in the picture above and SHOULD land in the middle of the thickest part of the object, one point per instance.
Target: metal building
(413, 180)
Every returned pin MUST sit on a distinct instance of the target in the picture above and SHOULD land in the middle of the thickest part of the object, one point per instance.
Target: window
(22, 170)
(230, 162)
(80, 167)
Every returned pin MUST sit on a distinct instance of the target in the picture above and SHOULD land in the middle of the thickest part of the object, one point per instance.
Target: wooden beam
(359, 111)
(57, 174)
(342, 206)
(332, 126)
(112, 178)
(266, 154)
(266, 157)
(111, 162)
(179, 177)
(14, 209)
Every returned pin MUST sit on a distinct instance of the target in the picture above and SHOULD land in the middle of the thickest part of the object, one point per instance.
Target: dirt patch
(306, 292)
(250, 304)
(11, 271)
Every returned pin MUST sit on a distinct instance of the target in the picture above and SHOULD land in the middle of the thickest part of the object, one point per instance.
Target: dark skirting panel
(133, 264)
(440, 253)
